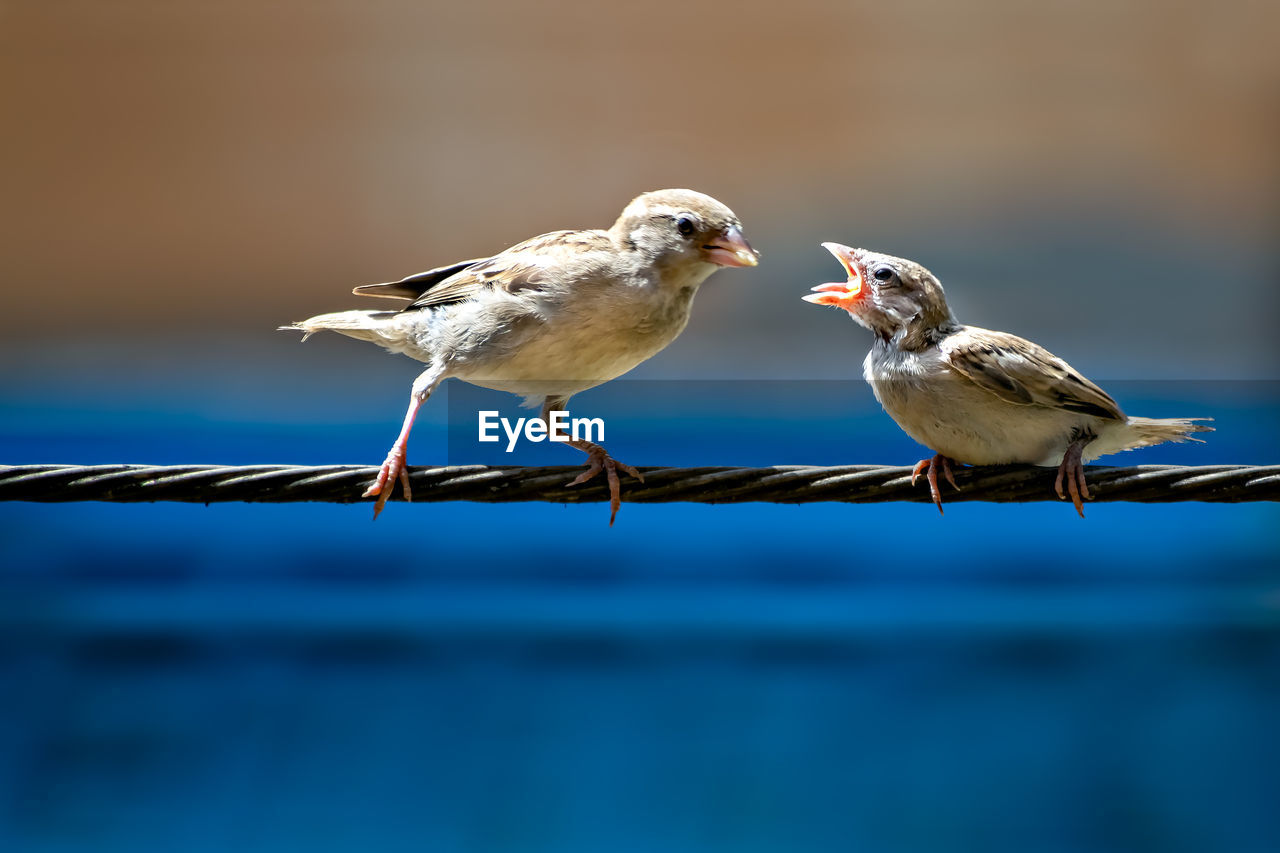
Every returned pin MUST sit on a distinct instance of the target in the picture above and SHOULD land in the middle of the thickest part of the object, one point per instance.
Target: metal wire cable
(793, 484)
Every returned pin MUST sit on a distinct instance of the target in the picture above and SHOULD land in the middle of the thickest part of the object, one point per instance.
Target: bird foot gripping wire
(932, 466)
(599, 460)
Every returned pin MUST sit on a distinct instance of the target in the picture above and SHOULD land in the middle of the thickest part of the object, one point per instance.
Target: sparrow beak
(844, 294)
(731, 249)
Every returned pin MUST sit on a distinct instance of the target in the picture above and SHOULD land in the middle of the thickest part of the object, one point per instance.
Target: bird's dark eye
(883, 274)
(685, 225)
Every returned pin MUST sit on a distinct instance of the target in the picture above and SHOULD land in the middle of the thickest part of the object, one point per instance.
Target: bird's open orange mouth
(842, 294)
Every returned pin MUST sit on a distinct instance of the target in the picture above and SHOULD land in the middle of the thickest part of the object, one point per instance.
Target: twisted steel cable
(794, 484)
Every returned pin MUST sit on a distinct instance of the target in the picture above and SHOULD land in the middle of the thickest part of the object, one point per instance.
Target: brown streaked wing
(413, 286)
(525, 266)
(1018, 371)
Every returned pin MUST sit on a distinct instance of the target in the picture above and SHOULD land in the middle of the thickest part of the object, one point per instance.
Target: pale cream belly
(972, 426)
(557, 365)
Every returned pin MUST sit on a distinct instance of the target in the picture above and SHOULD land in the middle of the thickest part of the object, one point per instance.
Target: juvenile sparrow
(973, 395)
(552, 316)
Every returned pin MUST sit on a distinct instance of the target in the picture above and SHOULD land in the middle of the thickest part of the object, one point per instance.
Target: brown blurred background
(1102, 176)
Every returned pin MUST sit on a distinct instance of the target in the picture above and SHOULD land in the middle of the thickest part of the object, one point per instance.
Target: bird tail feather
(1149, 431)
(363, 325)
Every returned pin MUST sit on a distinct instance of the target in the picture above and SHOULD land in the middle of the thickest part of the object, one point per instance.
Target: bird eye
(884, 274)
(685, 225)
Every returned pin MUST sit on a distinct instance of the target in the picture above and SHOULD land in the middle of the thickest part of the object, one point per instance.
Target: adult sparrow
(973, 395)
(553, 315)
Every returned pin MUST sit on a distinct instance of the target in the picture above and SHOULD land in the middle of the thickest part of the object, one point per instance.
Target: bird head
(672, 227)
(892, 297)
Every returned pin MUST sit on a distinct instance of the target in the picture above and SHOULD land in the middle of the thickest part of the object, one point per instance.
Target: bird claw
(931, 466)
(1072, 468)
(393, 469)
(599, 461)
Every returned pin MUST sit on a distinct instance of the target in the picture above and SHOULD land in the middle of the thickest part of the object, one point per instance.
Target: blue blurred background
(182, 178)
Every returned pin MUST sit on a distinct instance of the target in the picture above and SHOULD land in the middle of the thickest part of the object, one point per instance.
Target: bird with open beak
(553, 315)
(973, 395)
